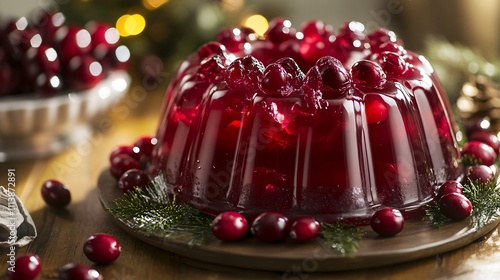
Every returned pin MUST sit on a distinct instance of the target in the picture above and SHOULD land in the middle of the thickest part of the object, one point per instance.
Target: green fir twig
(433, 213)
(342, 238)
(485, 199)
(152, 211)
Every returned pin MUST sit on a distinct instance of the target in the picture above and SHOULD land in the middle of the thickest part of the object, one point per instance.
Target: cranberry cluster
(267, 227)
(99, 248)
(128, 162)
(44, 55)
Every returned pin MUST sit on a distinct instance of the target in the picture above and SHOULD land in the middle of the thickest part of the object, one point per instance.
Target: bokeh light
(258, 23)
(153, 4)
(130, 25)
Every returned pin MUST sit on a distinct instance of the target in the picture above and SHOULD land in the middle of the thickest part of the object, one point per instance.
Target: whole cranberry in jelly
(245, 72)
(368, 74)
(487, 138)
(304, 229)
(380, 36)
(121, 164)
(279, 31)
(131, 179)
(27, 267)
(387, 222)
(276, 81)
(333, 73)
(75, 271)
(102, 248)
(229, 226)
(72, 41)
(292, 68)
(449, 187)
(55, 193)
(479, 173)
(479, 151)
(316, 30)
(270, 227)
(83, 72)
(455, 206)
(211, 49)
(232, 38)
(392, 64)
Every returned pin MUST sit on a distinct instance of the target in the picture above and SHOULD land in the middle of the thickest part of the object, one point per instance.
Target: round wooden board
(417, 240)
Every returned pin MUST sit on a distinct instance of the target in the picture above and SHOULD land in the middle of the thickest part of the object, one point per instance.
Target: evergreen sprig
(485, 199)
(152, 211)
(342, 238)
(433, 213)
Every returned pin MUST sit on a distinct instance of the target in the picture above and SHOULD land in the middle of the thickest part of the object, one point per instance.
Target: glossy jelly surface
(333, 125)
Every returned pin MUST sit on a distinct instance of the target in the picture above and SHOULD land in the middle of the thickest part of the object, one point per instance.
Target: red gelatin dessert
(310, 122)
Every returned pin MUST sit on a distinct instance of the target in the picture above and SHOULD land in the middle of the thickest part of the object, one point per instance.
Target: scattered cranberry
(270, 227)
(449, 187)
(387, 222)
(487, 138)
(125, 150)
(131, 179)
(479, 173)
(455, 206)
(304, 229)
(27, 268)
(121, 163)
(55, 194)
(229, 226)
(102, 248)
(480, 151)
(145, 145)
(74, 271)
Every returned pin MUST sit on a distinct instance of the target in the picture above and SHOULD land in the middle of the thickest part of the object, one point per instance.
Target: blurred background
(160, 33)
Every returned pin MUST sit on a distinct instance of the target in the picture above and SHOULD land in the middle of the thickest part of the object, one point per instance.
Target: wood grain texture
(61, 234)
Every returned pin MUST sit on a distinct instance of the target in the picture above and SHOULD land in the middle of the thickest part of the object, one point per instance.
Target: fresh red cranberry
(83, 72)
(102, 248)
(479, 173)
(74, 271)
(121, 163)
(131, 151)
(245, 72)
(279, 31)
(104, 37)
(270, 227)
(47, 84)
(20, 39)
(455, 206)
(145, 146)
(375, 109)
(333, 73)
(72, 41)
(42, 59)
(229, 226)
(449, 187)
(392, 64)
(487, 138)
(55, 193)
(387, 222)
(118, 58)
(131, 179)
(480, 151)
(48, 22)
(367, 73)
(276, 80)
(304, 229)
(27, 268)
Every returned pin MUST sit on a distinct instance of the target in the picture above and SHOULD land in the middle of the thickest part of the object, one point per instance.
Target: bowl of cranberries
(57, 80)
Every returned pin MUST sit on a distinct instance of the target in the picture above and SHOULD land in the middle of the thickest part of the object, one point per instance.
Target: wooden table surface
(61, 233)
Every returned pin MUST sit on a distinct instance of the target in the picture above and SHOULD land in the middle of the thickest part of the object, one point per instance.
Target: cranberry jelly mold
(334, 125)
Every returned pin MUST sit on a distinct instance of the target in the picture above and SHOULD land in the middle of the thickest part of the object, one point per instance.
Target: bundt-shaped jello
(333, 125)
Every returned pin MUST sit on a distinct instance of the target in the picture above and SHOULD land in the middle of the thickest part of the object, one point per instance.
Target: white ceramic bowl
(36, 127)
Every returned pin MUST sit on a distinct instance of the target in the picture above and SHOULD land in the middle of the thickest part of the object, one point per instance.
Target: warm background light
(257, 23)
(153, 4)
(130, 25)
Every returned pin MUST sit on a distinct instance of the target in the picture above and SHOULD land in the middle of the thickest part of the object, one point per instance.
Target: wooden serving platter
(417, 240)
